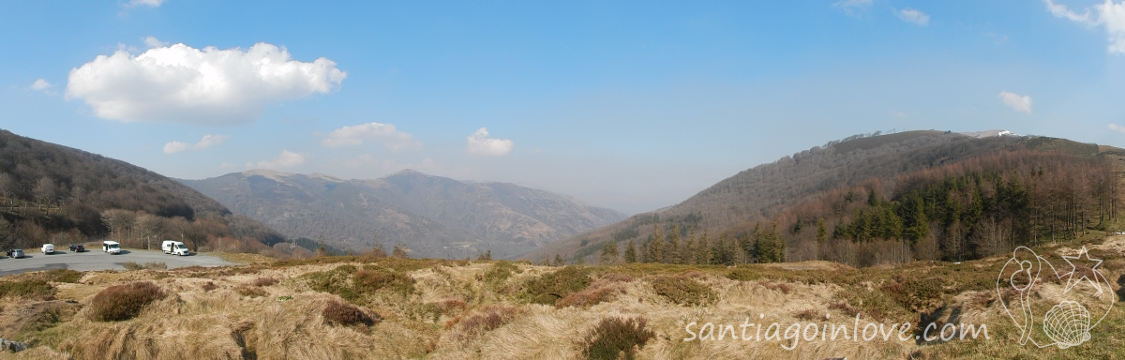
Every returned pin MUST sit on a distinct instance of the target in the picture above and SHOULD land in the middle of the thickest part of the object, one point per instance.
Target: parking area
(95, 259)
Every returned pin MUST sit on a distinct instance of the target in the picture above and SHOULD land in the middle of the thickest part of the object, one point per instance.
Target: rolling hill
(734, 205)
(54, 193)
(432, 216)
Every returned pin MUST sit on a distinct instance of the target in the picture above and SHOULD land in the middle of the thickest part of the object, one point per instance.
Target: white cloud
(1016, 102)
(853, 7)
(386, 133)
(481, 144)
(152, 3)
(206, 142)
(153, 42)
(1109, 15)
(43, 85)
(208, 86)
(1116, 127)
(914, 16)
(287, 159)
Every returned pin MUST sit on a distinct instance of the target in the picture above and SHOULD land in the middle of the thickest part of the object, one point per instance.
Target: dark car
(77, 248)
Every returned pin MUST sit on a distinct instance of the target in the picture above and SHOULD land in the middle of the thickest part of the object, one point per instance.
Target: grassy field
(387, 308)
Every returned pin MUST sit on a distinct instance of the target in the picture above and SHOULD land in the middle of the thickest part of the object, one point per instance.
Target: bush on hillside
(485, 320)
(616, 338)
(124, 302)
(342, 313)
(549, 288)
(501, 271)
(26, 289)
(683, 291)
(264, 281)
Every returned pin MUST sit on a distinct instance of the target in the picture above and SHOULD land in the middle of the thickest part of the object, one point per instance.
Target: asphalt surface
(95, 259)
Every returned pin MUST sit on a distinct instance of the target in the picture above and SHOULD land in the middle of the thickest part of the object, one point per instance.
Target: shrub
(488, 319)
(149, 265)
(210, 286)
(779, 286)
(549, 288)
(744, 274)
(342, 313)
(501, 271)
(124, 302)
(808, 314)
(26, 289)
(683, 291)
(370, 280)
(252, 292)
(616, 338)
(597, 293)
(354, 285)
(448, 306)
(264, 281)
(62, 275)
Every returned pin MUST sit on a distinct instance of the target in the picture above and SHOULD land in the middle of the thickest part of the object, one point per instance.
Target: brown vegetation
(342, 313)
(123, 302)
(616, 338)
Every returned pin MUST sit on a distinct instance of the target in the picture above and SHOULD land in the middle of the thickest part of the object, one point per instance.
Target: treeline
(969, 209)
(680, 245)
(973, 208)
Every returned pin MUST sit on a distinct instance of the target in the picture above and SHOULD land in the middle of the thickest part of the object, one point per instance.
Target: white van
(174, 248)
(47, 249)
(111, 247)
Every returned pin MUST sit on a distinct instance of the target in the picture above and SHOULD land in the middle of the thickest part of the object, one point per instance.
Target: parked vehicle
(111, 247)
(15, 253)
(47, 249)
(77, 248)
(174, 247)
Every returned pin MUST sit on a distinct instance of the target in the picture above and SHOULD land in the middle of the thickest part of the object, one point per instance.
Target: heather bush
(264, 281)
(616, 338)
(501, 271)
(252, 292)
(683, 291)
(485, 320)
(124, 302)
(342, 313)
(549, 288)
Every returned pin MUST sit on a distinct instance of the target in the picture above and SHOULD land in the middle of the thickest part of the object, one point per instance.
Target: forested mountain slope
(432, 216)
(733, 206)
(53, 193)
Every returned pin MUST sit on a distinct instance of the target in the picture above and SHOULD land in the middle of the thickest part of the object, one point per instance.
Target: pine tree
(558, 260)
(631, 252)
(672, 251)
(703, 249)
(609, 253)
(656, 246)
(821, 231)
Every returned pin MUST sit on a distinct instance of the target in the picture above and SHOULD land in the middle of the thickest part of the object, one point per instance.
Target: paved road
(98, 260)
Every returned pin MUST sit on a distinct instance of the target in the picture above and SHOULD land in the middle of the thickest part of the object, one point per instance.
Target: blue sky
(629, 105)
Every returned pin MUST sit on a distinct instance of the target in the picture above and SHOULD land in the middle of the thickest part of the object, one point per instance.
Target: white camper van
(111, 247)
(47, 249)
(174, 248)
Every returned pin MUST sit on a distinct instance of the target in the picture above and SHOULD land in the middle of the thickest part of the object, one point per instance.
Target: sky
(633, 106)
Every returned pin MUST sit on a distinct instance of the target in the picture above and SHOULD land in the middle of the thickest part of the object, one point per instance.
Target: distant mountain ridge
(433, 216)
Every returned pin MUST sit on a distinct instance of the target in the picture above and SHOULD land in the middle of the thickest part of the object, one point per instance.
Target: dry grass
(455, 311)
